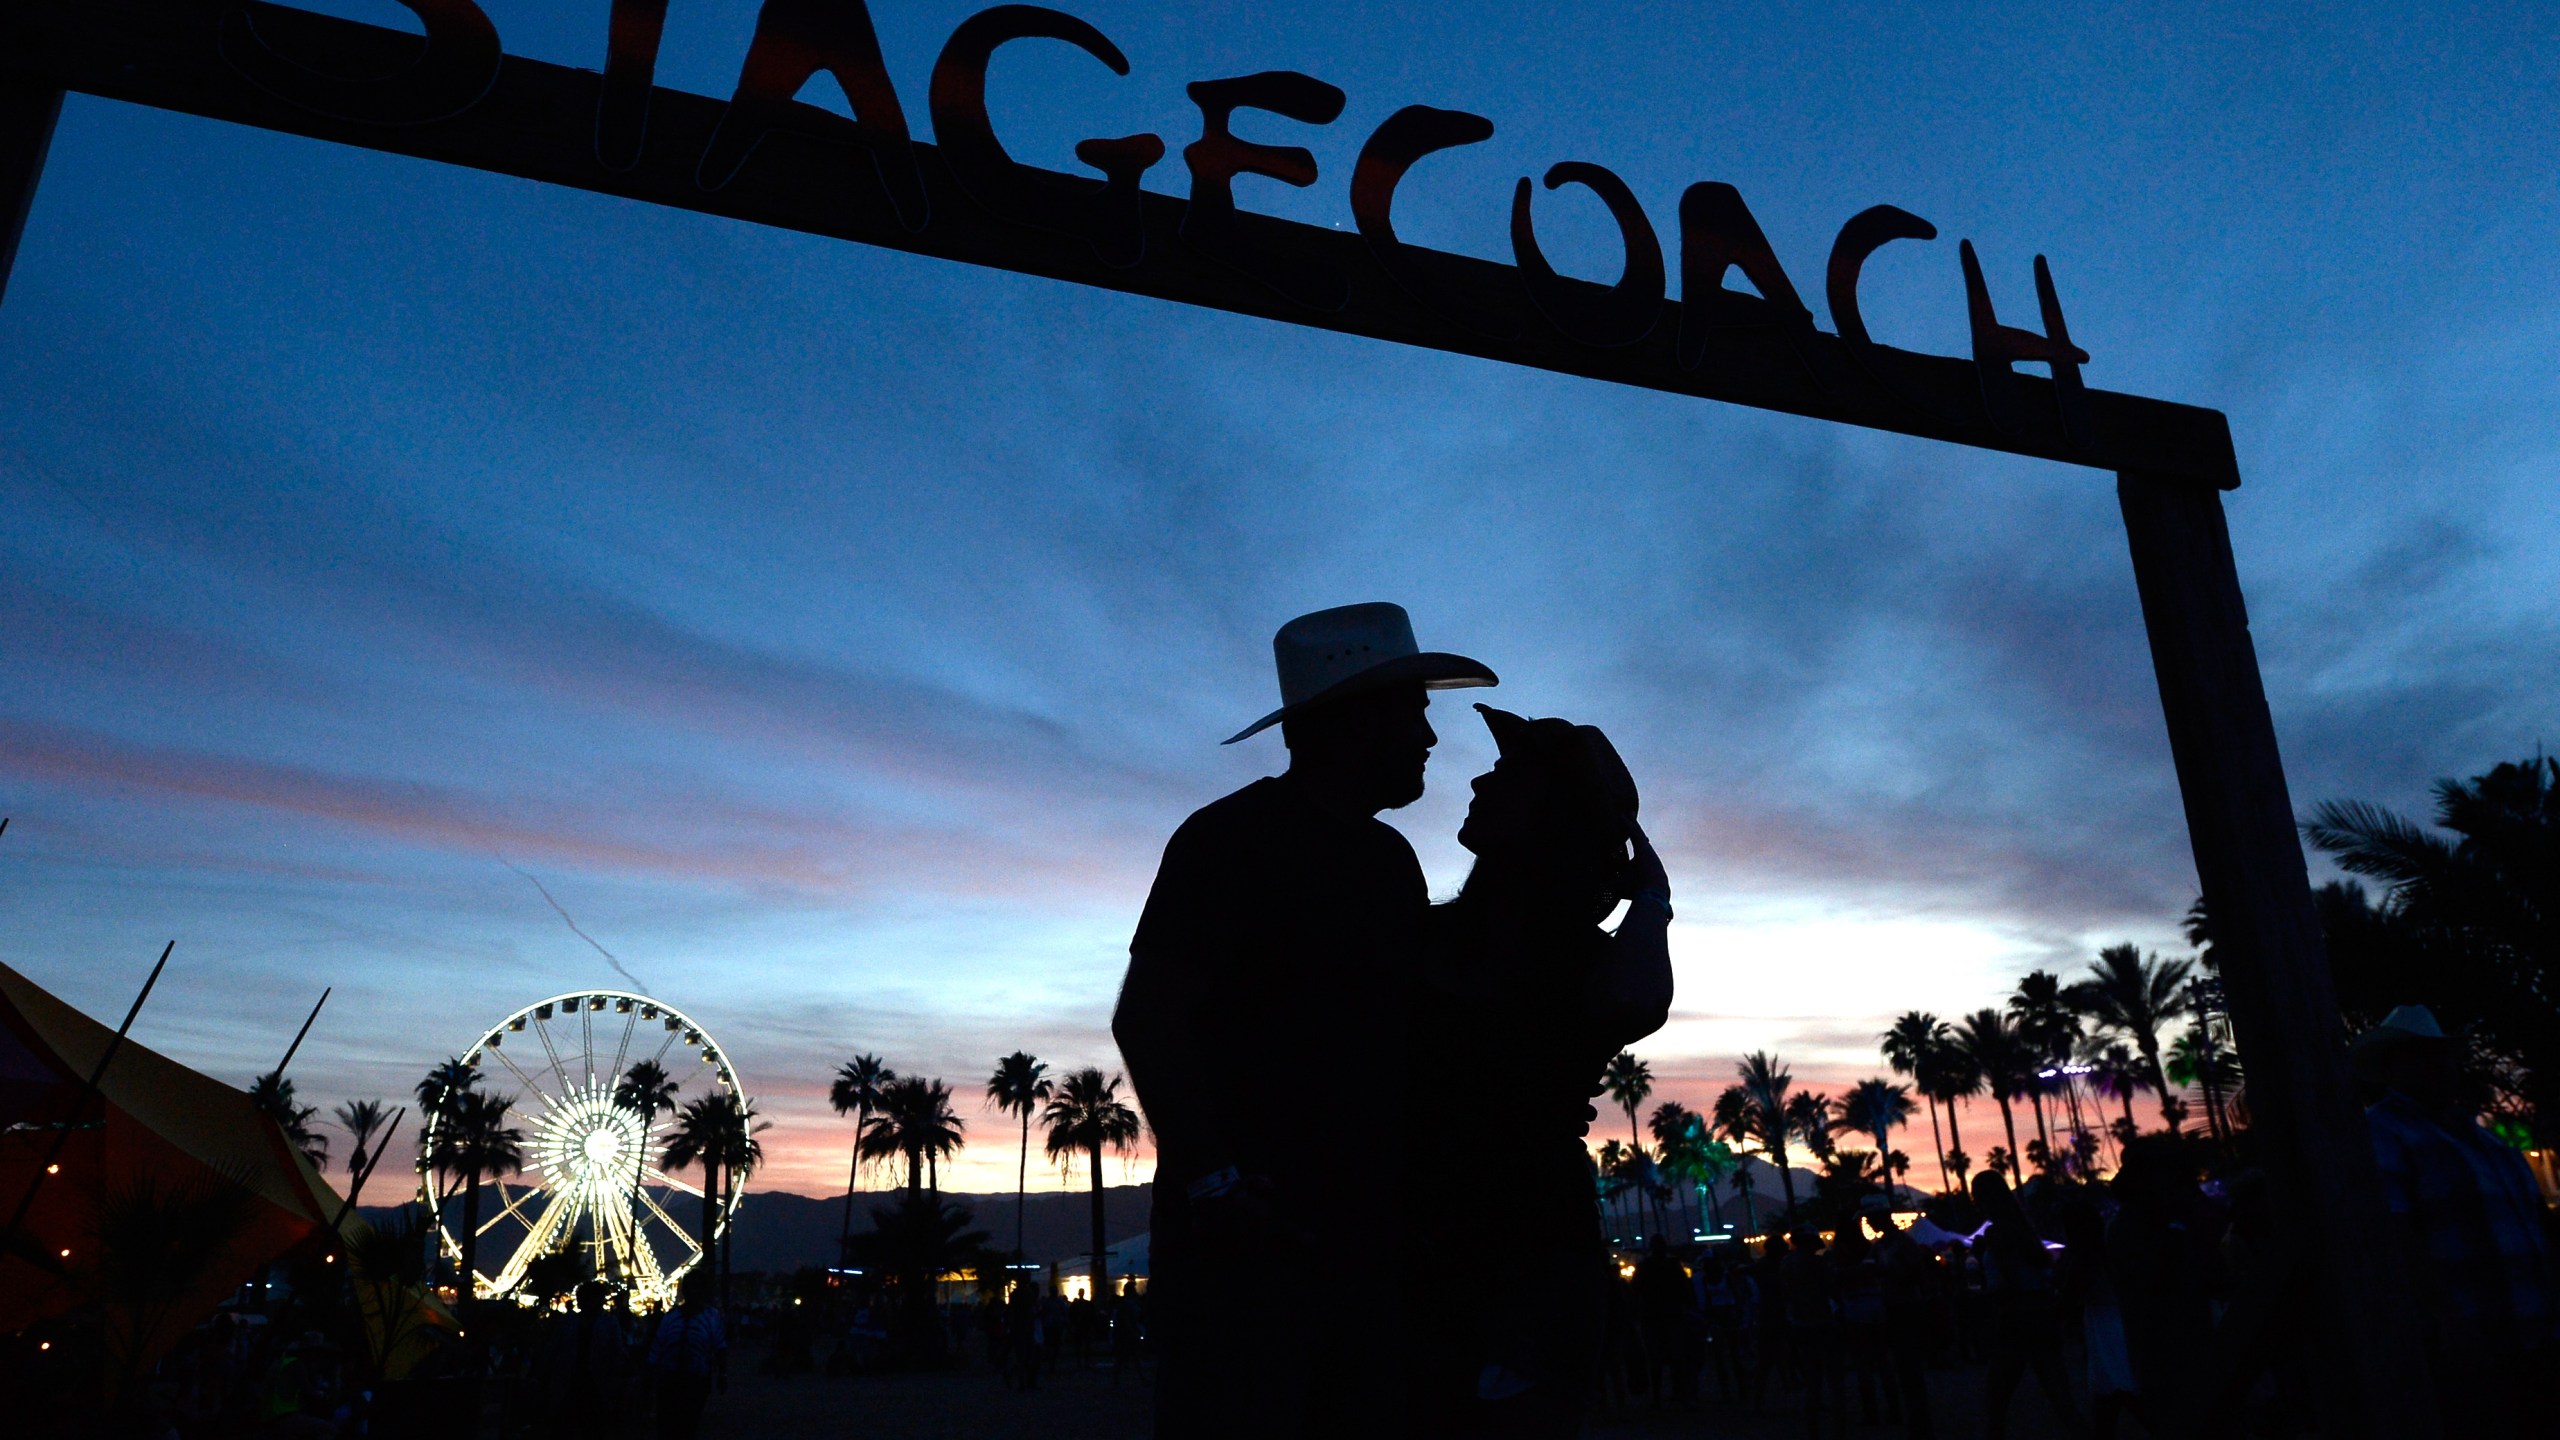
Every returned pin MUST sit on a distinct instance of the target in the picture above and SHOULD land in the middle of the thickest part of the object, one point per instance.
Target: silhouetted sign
(453, 94)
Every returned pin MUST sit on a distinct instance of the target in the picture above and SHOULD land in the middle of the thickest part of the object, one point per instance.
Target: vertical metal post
(27, 115)
(2284, 1008)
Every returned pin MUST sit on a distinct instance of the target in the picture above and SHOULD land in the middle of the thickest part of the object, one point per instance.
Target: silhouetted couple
(1345, 1243)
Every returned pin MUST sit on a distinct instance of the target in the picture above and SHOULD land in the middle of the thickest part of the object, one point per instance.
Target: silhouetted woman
(1529, 997)
(2026, 1313)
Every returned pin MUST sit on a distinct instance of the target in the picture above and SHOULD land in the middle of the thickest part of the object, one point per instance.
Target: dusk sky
(838, 634)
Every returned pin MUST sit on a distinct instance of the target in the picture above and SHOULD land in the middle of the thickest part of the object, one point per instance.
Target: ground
(1086, 1404)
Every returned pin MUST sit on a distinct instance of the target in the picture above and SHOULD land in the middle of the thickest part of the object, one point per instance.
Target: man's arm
(1164, 1022)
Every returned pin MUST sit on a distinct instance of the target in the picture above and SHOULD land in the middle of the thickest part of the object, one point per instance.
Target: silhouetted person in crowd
(588, 1370)
(1812, 1312)
(2089, 1290)
(1283, 939)
(2026, 1314)
(1523, 981)
(1128, 1332)
(2474, 1235)
(1022, 1338)
(1857, 1293)
(2157, 1268)
(1908, 1283)
(687, 1355)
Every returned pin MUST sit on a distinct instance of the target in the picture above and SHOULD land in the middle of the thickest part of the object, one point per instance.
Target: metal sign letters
(456, 95)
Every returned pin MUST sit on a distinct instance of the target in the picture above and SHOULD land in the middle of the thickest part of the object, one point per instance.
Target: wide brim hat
(2406, 1025)
(1582, 751)
(1355, 650)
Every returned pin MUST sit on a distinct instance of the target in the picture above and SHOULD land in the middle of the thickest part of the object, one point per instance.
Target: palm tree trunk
(2044, 1132)
(915, 1171)
(1937, 1141)
(1884, 1165)
(640, 1177)
(2008, 1122)
(852, 1177)
(470, 1237)
(710, 1208)
(1021, 1184)
(1101, 1261)
(2159, 1079)
(1786, 1179)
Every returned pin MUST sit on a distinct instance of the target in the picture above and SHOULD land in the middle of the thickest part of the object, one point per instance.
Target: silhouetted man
(1268, 993)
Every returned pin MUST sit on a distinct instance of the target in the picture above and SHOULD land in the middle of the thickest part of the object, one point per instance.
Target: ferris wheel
(591, 1185)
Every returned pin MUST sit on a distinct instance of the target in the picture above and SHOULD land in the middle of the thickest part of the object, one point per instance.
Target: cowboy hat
(1352, 650)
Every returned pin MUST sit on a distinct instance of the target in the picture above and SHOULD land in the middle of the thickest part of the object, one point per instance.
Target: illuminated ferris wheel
(591, 1187)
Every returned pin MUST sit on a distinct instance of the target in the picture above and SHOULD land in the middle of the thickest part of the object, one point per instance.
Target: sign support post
(27, 116)
(2284, 1006)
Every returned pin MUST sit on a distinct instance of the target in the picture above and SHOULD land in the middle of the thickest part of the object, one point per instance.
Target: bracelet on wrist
(1214, 1184)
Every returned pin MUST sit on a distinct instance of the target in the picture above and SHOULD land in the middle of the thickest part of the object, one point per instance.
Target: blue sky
(837, 634)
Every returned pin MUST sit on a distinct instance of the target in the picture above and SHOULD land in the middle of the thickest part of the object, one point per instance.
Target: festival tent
(193, 1185)
(1124, 1260)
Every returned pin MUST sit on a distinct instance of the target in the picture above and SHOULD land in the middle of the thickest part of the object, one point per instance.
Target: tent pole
(88, 1092)
(305, 1030)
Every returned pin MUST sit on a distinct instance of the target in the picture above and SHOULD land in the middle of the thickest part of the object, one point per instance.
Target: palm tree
(1991, 1041)
(2137, 997)
(1615, 1180)
(2114, 1072)
(914, 1120)
(2196, 1060)
(474, 1144)
(1085, 1115)
(2472, 900)
(915, 1239)
(1710, 1165)
(858, 1087)
(1733, 1119)
(1809, 1119)
(362, 1120)
(1764, 1085)
(1948, 1075)
(701, 1137)
(1906, 1048)
(1628, 1082)
(941, 1132)
(1019, 1087)
(741, 1153)
(2049, 1024)
(439, 1094)
(649, 1091)
(1875, 1106)
(272, 1093)
(883, 1136)
(1677, 1135)
(444, 1086)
